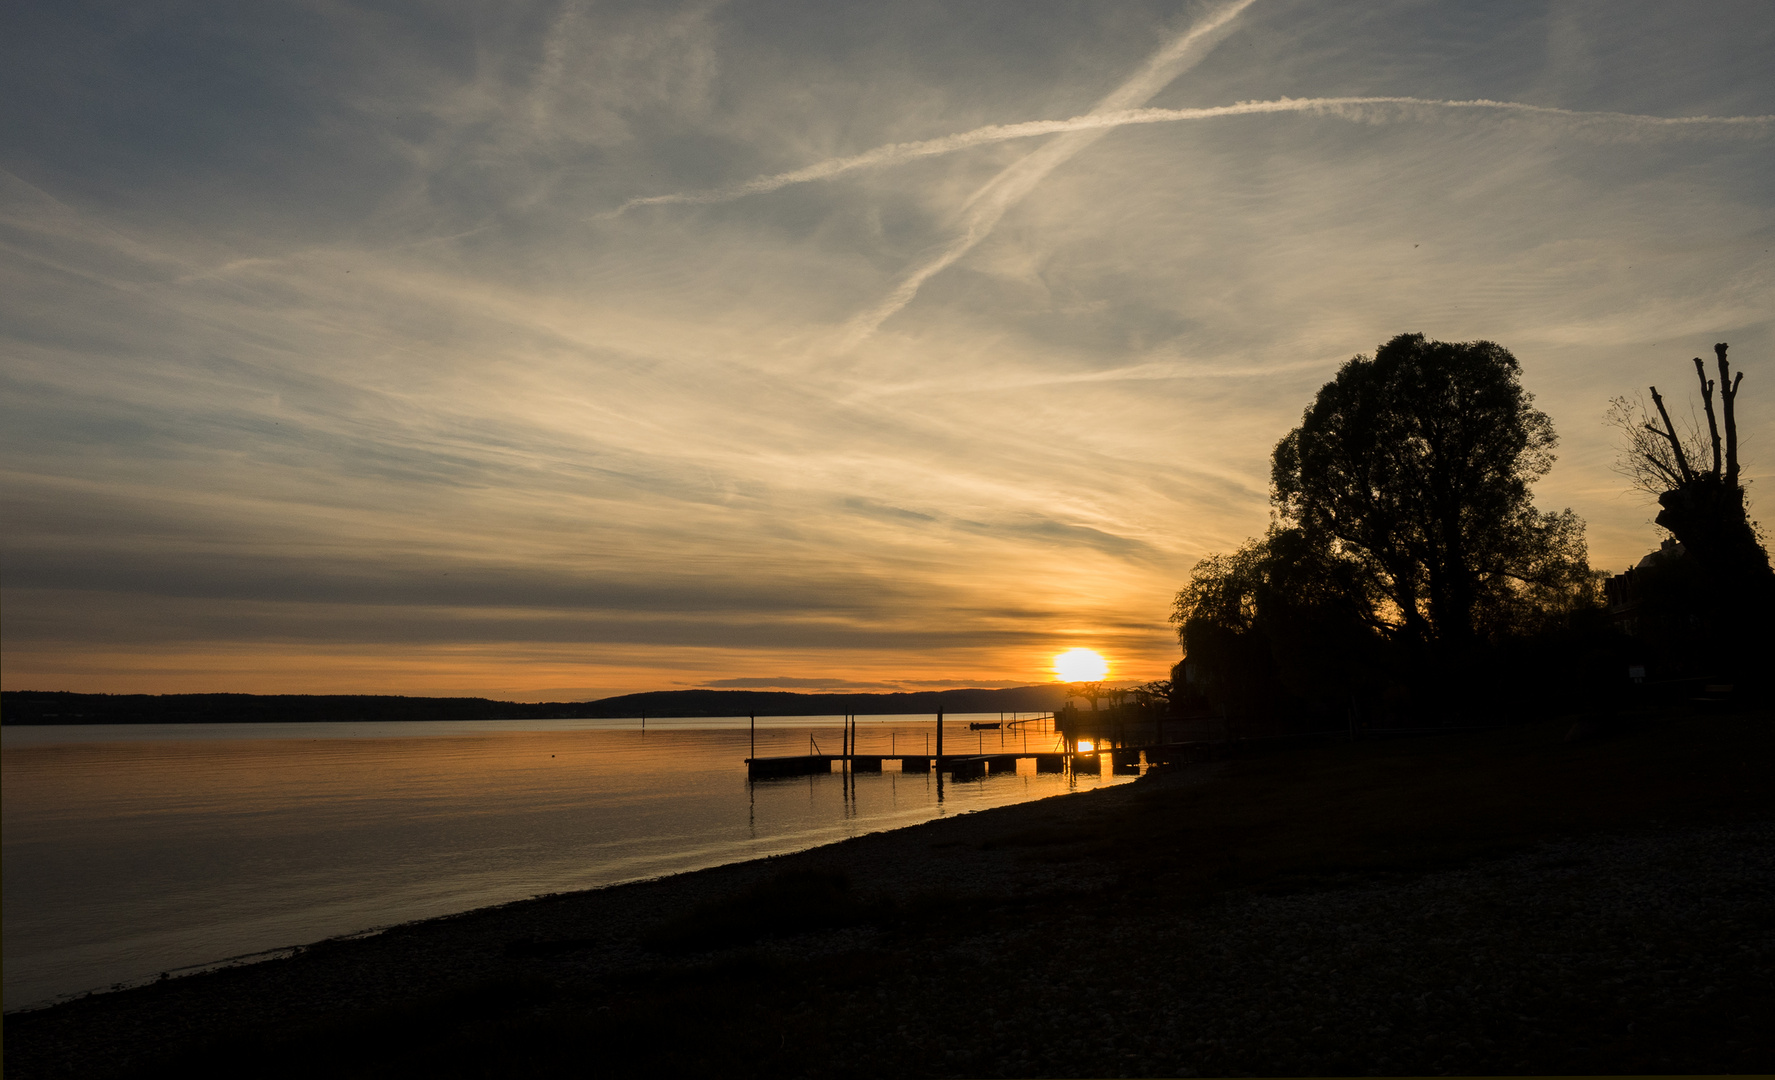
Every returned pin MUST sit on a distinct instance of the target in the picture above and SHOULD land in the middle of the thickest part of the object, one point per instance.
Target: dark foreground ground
(1495, 902)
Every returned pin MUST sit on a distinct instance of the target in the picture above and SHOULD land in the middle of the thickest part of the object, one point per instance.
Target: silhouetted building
(1625, 593)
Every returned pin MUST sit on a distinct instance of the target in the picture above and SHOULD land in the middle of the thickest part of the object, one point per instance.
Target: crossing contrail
(1122, 107)
(987, 205)
(1346, 107)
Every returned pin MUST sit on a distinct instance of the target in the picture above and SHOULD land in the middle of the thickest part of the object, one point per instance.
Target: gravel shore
(1049, 939)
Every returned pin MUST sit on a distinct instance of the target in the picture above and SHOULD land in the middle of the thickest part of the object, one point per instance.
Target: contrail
(1347, 107)
(1120, 108)
(988, 205)
(1159, 70)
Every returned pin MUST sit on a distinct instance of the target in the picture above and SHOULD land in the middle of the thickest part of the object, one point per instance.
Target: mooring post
(754, 719)
(939, 738)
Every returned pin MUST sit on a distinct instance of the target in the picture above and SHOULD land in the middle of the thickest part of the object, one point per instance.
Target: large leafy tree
(1417, 464)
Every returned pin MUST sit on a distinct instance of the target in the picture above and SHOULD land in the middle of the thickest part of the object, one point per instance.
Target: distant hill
(783, 703)
(60, 707)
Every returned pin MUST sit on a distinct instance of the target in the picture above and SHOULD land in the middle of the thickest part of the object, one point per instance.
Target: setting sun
(1080, 665)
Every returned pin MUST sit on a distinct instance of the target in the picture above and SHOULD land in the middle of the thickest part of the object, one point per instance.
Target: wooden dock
(1123, 761)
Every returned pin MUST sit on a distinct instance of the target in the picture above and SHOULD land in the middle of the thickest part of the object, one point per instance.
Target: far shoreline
(37, 707)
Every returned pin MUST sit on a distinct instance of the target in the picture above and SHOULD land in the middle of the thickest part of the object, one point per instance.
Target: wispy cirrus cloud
(324, 365)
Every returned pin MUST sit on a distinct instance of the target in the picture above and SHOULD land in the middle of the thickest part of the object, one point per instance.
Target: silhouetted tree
(1696, 480)
(1417, 465)
(1702, 505)
(1408, 551)
(1090, 691)
(1153, 695)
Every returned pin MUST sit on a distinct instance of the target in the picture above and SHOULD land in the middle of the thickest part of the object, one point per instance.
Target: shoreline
(1211, 920)
(613, 810)
(491, 937)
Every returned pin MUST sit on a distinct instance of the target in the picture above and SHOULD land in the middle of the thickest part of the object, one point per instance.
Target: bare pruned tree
(1695, 476)
(1660, 457)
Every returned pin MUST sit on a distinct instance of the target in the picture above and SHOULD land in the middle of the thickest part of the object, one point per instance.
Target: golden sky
(560, 350)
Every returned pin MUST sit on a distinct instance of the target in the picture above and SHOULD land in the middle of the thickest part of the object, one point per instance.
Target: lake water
(131, 850)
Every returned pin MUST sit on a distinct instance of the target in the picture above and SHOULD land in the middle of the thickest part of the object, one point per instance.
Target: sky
(550, 351)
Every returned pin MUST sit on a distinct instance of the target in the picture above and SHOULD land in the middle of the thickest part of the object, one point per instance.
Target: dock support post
(754, 719)
(939, 736)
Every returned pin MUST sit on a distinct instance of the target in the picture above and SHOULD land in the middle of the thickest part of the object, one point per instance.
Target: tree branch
(1713, 428)
(1729, 395)
(1661, 467)
(1669, 432)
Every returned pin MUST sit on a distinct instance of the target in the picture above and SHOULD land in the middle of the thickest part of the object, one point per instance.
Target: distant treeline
(59, 707)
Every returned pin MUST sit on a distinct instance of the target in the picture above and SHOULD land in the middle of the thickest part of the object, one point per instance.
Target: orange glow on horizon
(548, 671)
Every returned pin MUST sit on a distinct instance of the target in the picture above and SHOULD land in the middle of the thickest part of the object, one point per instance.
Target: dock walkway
(1123, 760)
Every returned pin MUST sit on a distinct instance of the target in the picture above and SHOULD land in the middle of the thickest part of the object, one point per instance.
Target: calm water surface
(133, 850)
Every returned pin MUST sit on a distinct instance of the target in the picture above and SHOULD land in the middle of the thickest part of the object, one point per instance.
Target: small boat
(993, 726)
